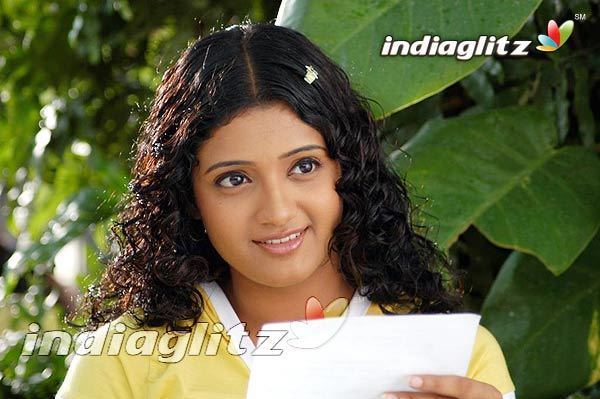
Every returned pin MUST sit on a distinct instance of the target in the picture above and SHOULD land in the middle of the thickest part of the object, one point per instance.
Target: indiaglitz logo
(484, 45)
(205, 338)
(556, 36)
(462, 50)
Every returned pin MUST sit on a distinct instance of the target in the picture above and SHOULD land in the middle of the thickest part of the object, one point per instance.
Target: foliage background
(501, 155)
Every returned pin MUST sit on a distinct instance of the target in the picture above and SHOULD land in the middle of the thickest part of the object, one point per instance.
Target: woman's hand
(446, 387)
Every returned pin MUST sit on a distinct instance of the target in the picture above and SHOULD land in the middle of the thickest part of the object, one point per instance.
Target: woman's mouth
(284, 245)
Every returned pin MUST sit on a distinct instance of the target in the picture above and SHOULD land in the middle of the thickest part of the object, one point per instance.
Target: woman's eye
(306, 166)
(232, 180)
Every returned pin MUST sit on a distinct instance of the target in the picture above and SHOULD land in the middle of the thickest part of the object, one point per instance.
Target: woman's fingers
(448, 386)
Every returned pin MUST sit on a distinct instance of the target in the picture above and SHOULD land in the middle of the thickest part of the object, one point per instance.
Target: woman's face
(265, 174)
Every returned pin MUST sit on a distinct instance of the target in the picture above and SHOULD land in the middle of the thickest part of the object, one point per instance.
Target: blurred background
(76, 81)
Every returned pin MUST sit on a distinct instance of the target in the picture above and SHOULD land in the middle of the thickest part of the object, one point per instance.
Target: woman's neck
(257, 304)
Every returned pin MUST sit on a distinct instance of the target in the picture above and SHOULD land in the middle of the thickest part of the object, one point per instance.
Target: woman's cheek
(326, 202)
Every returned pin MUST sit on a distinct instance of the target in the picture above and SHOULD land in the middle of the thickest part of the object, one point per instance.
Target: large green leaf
(361, 27)
(499, 171)
(547, 326)
(552, 212)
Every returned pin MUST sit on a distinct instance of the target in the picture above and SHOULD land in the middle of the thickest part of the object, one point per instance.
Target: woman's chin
(285, 279)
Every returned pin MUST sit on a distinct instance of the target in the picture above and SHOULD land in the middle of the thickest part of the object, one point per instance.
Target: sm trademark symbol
(579, 17)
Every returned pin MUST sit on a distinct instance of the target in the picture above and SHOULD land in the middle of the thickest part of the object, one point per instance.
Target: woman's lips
(284, 247)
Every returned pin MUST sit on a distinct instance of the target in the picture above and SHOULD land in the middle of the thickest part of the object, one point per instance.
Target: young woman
(259, 182)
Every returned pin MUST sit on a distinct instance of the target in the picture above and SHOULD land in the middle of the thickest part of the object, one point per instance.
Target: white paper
(359, 357)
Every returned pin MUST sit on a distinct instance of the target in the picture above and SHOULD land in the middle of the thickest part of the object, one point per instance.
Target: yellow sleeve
(93, 377)
(488, 364)
(105, 376)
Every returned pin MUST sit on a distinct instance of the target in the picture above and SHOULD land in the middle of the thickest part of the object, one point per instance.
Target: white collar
(358, 306)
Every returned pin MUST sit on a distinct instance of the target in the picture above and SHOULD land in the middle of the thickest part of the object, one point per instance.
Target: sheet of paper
(358, 357)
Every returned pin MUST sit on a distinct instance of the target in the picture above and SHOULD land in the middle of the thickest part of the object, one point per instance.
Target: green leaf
(479, 88)
(557, 202)
(499, 171)
(547, 326)
(361, 27)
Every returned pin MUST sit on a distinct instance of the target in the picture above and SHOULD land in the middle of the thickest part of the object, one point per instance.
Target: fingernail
(416, 382)
(388, 396)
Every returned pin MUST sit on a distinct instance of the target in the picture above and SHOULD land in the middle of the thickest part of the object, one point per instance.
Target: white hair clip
(311, 74)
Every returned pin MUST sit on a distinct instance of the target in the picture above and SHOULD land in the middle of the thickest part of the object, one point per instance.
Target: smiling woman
(259, 183)
(271, 213)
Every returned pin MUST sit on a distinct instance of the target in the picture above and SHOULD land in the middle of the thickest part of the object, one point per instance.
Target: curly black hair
(160, 253)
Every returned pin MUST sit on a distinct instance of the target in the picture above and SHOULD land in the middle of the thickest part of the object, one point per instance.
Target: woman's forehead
(264, 131)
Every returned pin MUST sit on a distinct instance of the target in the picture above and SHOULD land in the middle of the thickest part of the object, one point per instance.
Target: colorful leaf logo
(314, 309)
(307, 335)
(556, 36)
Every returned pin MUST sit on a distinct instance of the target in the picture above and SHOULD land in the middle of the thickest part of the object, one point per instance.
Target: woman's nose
(277, 206)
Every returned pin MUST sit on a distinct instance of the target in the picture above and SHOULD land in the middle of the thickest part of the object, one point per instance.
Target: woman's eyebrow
(282, 156)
